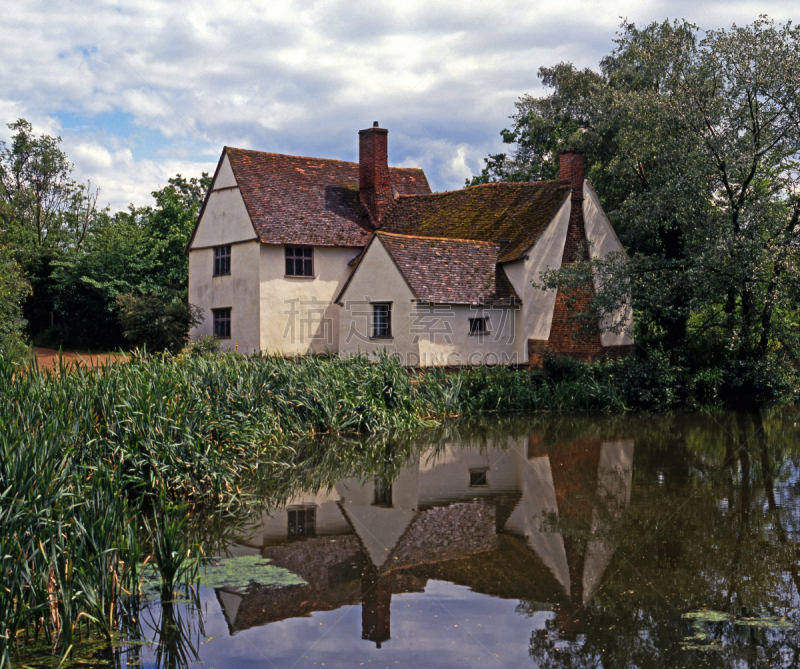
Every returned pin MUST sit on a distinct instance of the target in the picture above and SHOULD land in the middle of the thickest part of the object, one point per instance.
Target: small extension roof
(310, 201)
(512, 215)
(448, 271)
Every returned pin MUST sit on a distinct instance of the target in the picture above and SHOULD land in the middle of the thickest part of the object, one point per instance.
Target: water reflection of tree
(712, 525)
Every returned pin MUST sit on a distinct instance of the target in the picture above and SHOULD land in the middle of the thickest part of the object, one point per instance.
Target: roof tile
(310, 201)
(450, 271)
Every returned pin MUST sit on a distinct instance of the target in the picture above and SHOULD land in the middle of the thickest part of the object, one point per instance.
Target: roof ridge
(327, 160)
(288, 155)
(494, 184)
(443, 239)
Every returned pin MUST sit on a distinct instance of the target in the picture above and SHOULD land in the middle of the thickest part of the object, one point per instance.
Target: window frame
(474, 331)
(307, 255)
(218, 316)
(382, 493)
(478, 477)
(222, 261)
(301, 521)
(373, 321)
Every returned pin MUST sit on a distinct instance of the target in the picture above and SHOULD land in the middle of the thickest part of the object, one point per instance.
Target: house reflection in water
(483, 518)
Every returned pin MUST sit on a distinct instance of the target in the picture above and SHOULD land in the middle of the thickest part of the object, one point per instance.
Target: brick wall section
(564, 339)
(374, 186)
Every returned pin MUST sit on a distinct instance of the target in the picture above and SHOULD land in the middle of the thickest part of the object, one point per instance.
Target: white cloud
(164, 85)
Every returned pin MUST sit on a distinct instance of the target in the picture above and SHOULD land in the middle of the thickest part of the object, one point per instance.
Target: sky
(141, 91)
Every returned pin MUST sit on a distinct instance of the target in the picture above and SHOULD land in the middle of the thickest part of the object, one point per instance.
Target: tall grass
(87, 454)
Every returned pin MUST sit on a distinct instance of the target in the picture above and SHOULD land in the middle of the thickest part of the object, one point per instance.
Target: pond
(541, 542)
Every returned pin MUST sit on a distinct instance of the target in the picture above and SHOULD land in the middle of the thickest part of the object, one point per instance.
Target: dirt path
(48, 357)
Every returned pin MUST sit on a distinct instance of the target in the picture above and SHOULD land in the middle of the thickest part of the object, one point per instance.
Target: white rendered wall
(444, 477)
(239, 291)
(225, 219)
(602, 241)
(297, 313)
(376, 279)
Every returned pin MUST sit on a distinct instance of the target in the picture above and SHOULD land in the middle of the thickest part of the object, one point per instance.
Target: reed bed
(102, 470)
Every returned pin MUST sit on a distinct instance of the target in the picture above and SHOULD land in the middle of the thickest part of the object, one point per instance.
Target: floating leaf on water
(235, 572)
(764, 622)
(708, 616)
(238, 572)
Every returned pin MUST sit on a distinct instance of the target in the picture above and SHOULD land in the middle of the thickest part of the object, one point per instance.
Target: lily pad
(708, 616)
(233, 572)
(764, 622)
(238, 572)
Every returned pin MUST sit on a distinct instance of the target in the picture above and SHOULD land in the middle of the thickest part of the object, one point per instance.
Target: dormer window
(222, 260)
(299, 261)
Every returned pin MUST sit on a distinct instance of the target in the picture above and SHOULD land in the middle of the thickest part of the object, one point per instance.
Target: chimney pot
(374, 124)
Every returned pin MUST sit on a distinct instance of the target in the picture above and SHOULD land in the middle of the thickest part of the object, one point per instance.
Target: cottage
(295, 255)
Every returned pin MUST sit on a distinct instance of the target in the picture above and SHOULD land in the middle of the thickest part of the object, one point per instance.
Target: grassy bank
(101, 469)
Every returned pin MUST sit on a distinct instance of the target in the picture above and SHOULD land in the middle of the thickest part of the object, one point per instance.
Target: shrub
(647, 379)
(156, 322)
(560, 368)
(205, 345)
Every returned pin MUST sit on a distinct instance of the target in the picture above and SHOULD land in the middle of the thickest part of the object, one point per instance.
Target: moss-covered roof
(512, 215)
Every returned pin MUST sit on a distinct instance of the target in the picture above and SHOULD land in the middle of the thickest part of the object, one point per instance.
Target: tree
(139, 252)
(693, 145)
(169, 226)
(117, 258)
(78, 258)
(13, 290)
(42, 205)
(45, 213)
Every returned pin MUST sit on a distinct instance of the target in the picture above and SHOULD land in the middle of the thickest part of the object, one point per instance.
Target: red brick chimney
(374, 186)
(376, 603)
(571, 170)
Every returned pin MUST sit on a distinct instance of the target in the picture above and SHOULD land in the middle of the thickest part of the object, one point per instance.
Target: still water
(548, 542)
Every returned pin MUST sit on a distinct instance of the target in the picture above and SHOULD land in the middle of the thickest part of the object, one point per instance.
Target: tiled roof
(510, 214)
(313, 201)
(450, 271)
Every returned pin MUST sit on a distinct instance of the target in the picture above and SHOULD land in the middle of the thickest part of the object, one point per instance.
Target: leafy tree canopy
(41, 205)
(692, 141)
(79, 259)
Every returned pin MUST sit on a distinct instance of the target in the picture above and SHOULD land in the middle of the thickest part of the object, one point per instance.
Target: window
(302, 521)
(222, 323)
(222, 260)
(383, 492)
(478, 326)
(478, 477)
(299, 261)
(381, 320)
